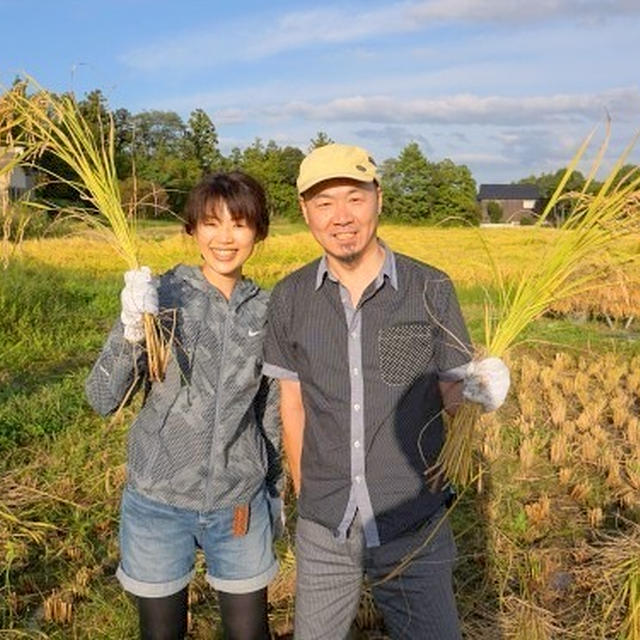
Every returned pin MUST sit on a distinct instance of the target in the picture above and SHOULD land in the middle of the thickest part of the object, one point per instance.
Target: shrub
(494, 211)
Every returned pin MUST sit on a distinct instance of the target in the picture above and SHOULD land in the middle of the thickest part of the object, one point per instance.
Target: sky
(508, 87)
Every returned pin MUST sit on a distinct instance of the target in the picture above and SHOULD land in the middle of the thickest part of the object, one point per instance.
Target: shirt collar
(388, 269)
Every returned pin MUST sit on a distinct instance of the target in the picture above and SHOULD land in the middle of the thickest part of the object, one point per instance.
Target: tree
(175, 173)
(290, 159)
(407, 184)
(418, 190)
(277, 170)
(234, 161)
(549, 182)
(454, 194)
(322, 139)
(158, 131)
(494, 211)
(93, 109)
(123, 142)
(161, 152)
(204, 141)
(626, 174)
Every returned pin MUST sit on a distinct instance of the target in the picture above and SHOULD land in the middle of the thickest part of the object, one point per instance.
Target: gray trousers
(417, 604)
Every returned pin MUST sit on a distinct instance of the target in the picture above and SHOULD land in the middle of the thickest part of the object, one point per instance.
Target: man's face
(342, 215)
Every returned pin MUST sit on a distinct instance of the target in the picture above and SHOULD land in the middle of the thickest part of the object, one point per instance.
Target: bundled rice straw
(56, 124)
(596, 223)
(616, 580)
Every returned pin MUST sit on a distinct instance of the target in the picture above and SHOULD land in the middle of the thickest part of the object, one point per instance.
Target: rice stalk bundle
(56, 124)
(586, 239)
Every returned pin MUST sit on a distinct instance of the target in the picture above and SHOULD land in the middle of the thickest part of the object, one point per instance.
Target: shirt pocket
(405, 352)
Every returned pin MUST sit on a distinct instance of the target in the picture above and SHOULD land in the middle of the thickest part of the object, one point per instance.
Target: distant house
(517, 201)
(15, 183)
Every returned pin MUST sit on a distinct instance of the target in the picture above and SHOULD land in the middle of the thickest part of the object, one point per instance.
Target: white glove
(486, 382)
(139, 296)
(276, 513)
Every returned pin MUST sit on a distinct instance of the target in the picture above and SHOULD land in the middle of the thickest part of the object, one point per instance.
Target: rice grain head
(595, 516)
(557, 408)
(565, 475)
(633, 430)
(581, 492)
(559, 449)
(527, 453)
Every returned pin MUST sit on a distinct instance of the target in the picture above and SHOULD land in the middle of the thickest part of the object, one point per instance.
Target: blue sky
(508, 87)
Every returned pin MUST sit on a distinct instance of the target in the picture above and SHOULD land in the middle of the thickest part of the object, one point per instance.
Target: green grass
(52, 323)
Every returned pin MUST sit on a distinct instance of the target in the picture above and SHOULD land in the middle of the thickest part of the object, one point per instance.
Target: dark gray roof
(508, 192)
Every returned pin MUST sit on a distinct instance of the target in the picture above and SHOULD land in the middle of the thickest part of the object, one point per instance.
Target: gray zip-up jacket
(208, 435)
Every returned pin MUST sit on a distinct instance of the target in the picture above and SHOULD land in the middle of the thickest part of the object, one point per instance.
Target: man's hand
(138, 297)
(486, 382)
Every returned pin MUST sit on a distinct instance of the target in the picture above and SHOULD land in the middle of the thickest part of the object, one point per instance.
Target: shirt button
(356, 407)
(358, 479)
(356, 444)
(355, 371)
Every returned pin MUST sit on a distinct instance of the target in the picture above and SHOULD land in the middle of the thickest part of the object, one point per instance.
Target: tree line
(160, 157)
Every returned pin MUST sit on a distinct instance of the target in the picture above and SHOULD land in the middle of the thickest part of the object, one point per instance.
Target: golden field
(548, 538)
(462, 253)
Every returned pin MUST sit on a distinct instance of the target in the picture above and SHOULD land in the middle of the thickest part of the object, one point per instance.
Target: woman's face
(225, 245)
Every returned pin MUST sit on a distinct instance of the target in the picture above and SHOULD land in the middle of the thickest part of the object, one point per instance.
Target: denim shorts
(158, 544)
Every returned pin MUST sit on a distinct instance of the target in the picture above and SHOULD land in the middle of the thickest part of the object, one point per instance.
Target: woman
(203, 456)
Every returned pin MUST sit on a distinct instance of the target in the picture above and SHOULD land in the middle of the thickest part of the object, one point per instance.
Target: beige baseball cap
(336, 161)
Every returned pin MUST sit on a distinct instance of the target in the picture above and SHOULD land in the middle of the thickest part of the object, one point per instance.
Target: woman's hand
(138, 297)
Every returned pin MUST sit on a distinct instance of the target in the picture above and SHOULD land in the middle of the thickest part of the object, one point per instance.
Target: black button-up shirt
(369, 379)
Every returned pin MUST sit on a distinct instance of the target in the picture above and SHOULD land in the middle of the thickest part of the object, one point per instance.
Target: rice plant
(56, 124)
(572, 265)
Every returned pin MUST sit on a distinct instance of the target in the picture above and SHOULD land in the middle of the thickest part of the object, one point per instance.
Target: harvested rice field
(548, 534)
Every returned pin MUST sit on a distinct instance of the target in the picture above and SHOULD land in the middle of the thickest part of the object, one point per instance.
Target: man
(369, 345)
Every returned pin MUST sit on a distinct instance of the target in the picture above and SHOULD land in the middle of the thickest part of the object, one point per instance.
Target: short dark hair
(243, 195)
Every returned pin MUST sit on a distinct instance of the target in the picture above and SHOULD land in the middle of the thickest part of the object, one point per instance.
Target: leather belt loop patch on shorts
(240, 520)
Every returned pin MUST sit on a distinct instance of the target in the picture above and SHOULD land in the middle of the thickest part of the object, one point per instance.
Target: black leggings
(244, 616)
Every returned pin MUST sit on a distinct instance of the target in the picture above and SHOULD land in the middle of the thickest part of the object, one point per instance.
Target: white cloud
(510, 11)
(622, 103)
(258, 36)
